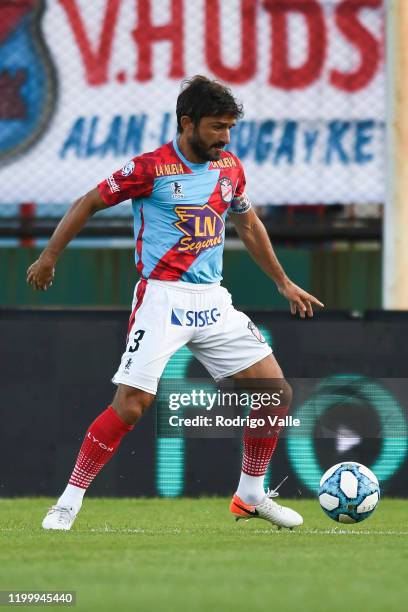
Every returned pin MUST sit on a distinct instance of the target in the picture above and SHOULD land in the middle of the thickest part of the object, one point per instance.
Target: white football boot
(268, 510)
(276, 514)
(59, 518)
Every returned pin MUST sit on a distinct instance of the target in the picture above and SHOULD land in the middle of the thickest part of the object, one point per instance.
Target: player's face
(210, 136)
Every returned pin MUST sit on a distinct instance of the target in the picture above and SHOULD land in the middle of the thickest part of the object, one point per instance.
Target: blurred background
(87, 85)
(84, 86)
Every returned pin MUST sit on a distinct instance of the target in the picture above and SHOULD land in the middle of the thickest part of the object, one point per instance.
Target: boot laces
(274, 492)
(64, 513)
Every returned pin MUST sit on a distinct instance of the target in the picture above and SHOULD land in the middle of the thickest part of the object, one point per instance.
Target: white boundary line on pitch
(341, 532)
(271, 531)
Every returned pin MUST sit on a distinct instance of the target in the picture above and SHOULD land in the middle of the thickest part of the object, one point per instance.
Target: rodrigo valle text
(221, 421)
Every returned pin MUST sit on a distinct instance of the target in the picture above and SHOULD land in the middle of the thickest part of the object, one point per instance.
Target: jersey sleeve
(134, 180)
(240, 187)
(240, 202)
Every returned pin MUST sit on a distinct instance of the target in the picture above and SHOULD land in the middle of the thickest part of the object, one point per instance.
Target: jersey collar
(194, 167)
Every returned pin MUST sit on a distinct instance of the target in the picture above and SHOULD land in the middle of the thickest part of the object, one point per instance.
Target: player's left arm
(253, 234)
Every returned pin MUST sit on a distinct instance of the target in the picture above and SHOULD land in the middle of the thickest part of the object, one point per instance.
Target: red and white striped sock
(100, 444)
(257, 454)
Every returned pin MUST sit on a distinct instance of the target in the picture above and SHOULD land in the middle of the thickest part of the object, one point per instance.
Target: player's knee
(277, 390)
(270, 401)
(131, 403)
(269, 396)
(280, 397)
(287, 393)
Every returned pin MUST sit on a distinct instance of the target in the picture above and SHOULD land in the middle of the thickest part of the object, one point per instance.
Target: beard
(202, 150)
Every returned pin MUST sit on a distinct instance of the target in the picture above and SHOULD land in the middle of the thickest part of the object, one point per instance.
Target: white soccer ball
(349, 492)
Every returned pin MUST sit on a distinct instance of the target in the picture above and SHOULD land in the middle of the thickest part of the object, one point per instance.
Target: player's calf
(130, 403)
(270, 403)
(101, 441)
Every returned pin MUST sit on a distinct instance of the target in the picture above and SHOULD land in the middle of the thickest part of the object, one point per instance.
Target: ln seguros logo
(202, 227)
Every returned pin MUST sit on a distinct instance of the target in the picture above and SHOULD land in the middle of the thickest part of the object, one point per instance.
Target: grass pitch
(190, 555)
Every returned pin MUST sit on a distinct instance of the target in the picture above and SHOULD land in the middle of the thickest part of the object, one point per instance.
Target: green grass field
(184, 554)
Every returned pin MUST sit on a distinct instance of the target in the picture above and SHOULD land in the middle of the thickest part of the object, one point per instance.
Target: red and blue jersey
(179, 211)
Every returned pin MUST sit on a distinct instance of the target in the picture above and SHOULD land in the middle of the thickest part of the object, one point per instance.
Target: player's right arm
(41, 273)
(134, 180)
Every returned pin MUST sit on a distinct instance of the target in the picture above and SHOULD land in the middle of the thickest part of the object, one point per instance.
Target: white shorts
(168, 315)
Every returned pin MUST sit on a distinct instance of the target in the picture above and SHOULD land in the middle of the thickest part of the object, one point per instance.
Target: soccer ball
(349, 492)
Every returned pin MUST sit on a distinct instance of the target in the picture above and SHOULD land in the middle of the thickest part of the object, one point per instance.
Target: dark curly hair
(200, 97)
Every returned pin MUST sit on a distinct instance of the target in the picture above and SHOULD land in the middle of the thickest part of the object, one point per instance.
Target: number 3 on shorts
(136, 340)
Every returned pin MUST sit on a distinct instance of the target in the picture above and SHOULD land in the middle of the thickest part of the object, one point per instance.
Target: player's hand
(300, 301)
(41, 273)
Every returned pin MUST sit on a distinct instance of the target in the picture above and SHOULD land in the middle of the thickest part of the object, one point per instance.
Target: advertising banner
(349, 404)
(85, 86)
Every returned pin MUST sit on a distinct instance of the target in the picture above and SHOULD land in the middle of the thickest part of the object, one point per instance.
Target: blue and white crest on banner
(27, 77)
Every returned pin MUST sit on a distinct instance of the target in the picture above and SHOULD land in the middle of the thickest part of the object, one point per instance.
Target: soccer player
(181, 194)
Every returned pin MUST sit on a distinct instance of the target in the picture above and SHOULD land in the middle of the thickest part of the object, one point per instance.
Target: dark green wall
(349, 279)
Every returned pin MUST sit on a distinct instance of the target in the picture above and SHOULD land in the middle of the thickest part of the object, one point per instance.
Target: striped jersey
(179, 210)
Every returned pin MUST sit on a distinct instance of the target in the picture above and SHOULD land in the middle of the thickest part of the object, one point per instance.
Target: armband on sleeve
(241, 204)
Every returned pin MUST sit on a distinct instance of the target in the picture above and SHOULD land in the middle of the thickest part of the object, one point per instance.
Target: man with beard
(181, 194)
